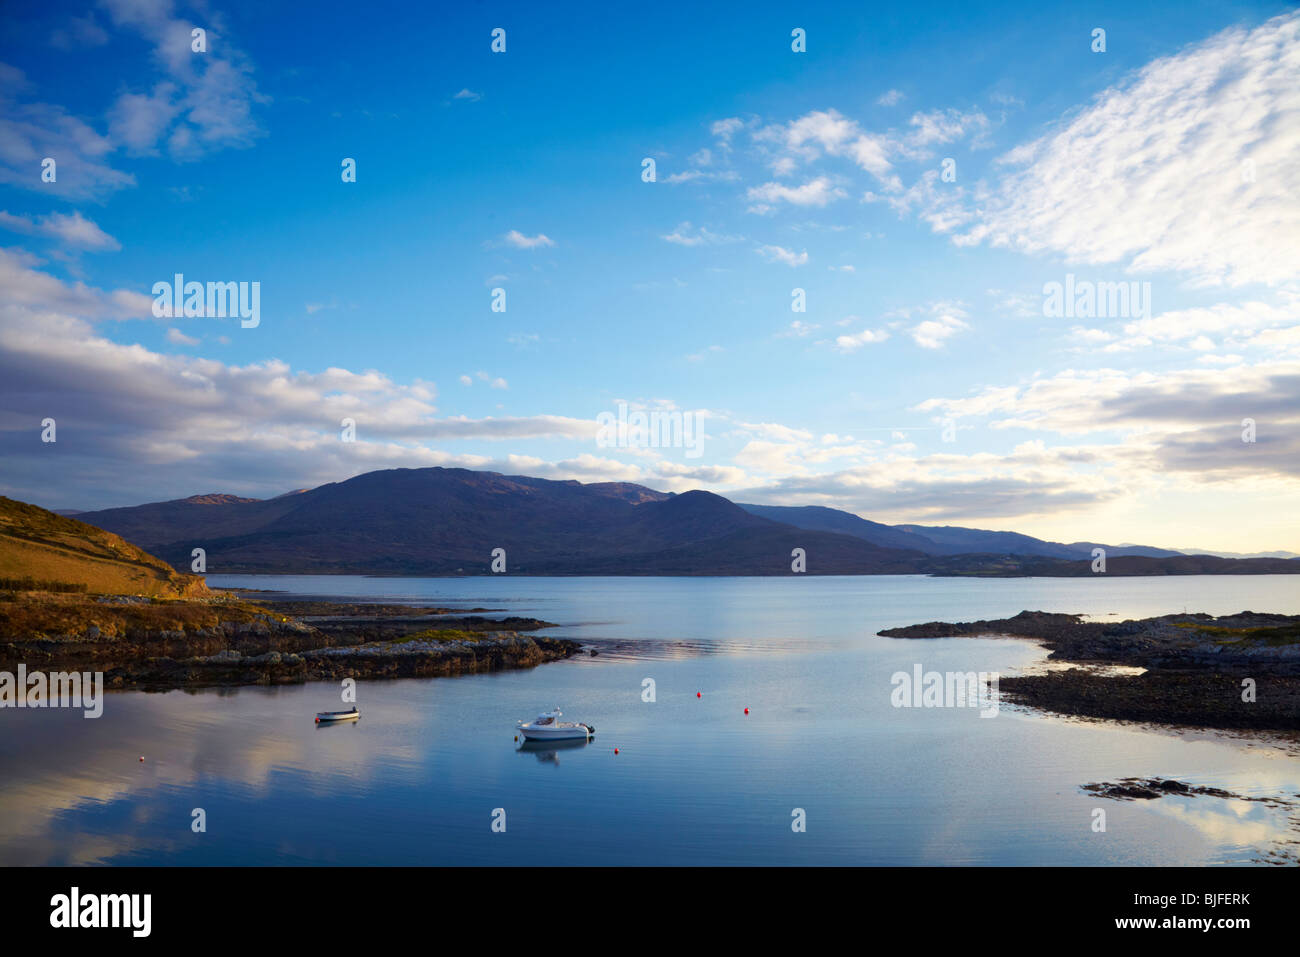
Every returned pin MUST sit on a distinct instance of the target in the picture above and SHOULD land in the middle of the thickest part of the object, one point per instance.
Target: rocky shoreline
(1233, 672)
(142, 643)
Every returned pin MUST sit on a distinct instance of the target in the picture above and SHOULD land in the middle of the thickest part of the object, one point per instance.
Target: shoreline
(1227, 673)
(224, 640)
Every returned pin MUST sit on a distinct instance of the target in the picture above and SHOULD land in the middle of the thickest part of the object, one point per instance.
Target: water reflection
(547, 752)
(696, 782)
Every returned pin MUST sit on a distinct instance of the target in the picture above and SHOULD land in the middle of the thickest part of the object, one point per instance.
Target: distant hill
(846, 523)
(440, 521)
(941, 540)
(1133, 565)
(1207, 551)
(446, 521)
(43, 551)
(1013, 543)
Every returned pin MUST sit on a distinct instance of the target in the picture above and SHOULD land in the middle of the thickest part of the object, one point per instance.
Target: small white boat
(323, 716)
(547, 726)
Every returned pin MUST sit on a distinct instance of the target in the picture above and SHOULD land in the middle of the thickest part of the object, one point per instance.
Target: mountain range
(941, 540)
(447, 521)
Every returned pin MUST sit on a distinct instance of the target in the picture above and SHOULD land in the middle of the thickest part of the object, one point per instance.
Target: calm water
(696, 781)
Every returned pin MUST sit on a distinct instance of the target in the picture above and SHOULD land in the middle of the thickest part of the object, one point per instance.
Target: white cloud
(1089, 337)
(139, 120)
(945, 126)
(73, 230)
(686, 235)
(830, 132)
(780, 254)
(726, 129)
(32, 131)
(191, 421)
(1191, 166)
(816, 192)
(942, 205)
(520, 241)
(933, 333)
(23, 285)
(1101, 400)
(205, 102)
(1223, 319)
(947, 319)
(799, 328)
(851, 343)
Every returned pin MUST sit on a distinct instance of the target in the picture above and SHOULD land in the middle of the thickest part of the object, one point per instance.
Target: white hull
(561, 733)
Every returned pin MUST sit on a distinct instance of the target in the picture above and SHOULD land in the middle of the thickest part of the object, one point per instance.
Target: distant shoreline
(810, 573)
(1232, 672)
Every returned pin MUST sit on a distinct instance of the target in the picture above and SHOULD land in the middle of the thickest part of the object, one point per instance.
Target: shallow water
(696, 781)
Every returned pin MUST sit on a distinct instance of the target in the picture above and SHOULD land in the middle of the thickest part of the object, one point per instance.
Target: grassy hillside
(42, 551)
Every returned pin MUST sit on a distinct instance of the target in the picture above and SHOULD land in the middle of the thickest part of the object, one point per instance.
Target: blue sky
(775, 170)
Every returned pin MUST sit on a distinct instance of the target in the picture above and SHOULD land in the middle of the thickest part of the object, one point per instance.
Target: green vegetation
(1269, 636)
(438, 634)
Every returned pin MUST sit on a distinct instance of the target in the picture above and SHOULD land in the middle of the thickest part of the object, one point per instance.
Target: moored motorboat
(323, 716)
(547, 726)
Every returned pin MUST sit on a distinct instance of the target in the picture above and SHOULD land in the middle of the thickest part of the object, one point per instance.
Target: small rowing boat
(323, 716)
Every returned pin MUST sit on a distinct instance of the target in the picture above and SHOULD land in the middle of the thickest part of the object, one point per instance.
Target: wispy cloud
(779, 254)
(687, 235)
(72, 230)
(1192, 166)
(205, 100)
(518, 240)
(815, 192)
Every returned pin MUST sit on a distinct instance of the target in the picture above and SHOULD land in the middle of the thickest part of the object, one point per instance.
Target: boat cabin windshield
(544, 719)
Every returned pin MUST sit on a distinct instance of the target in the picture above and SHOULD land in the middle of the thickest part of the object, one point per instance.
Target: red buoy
(697, 694)
(746, 711)
(142, 757)
(616, 750)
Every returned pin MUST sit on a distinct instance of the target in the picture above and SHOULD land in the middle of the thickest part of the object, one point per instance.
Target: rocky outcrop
(432, 658)
(139, 643)
(1235, 671)
(1248, 639)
